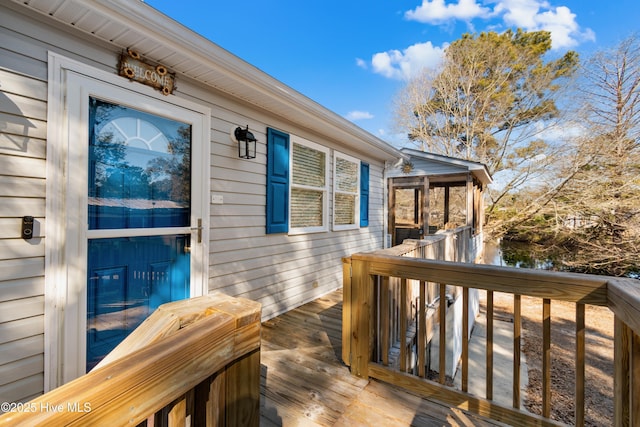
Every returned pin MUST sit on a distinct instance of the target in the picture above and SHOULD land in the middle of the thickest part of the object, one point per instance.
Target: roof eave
(239, 78)
(479, 170)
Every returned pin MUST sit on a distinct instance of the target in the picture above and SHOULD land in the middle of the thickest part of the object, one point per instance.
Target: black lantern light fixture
(246, 143)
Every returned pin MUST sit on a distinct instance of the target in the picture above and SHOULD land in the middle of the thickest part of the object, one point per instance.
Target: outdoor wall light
(246, 143)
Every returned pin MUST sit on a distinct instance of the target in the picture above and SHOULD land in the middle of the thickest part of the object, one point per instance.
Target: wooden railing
(369, 353)
(401, 302)
(192, 362)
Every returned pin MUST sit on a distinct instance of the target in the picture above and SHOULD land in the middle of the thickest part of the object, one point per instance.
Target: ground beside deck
(305, 383)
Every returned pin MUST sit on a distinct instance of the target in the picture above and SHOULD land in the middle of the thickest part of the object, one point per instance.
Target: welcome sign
(157, 76)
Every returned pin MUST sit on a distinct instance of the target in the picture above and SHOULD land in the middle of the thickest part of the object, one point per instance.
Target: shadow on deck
(304, 381)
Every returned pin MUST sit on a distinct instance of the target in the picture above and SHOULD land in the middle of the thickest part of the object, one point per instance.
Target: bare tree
(595, 220)
(608, 190)
(612, 97)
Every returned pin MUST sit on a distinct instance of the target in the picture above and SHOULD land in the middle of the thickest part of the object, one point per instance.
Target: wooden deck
(305, 383)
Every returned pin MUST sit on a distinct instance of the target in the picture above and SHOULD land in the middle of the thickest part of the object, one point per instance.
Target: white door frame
(70, 85)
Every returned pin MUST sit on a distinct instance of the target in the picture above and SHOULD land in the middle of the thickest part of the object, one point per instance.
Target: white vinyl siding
(309, 187)
(23, 114)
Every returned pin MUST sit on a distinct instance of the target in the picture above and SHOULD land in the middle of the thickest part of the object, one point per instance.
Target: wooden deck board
(304, 382)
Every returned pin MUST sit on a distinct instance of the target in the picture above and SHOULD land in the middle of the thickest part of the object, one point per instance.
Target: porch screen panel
(457, 206)
(436, 209)
(406, 211)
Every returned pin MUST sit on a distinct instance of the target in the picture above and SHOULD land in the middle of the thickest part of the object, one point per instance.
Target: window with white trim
(346, 192)
(308, 198)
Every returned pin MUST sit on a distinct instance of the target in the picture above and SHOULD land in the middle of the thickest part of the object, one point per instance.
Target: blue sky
(353, 56)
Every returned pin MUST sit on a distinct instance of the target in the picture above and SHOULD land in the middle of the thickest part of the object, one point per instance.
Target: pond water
(519, 255)
(523, 255)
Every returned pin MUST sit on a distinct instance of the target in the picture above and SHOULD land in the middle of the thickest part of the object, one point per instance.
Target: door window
(139, 178)
(407, 212)
(139, 169)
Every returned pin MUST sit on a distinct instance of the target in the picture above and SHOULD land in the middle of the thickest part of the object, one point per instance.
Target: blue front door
(139, 189)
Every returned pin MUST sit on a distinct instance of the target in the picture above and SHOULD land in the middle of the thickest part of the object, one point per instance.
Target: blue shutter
(364, 195)
(277, 181)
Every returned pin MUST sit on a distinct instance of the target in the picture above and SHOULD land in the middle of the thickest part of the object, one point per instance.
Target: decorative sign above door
(157, 76)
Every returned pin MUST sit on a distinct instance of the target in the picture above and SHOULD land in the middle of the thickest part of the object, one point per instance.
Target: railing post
(346, 311)
(635, 380)
(243, 391)
(166, 376)
(621, 370)
(361, 312)
(624, 300)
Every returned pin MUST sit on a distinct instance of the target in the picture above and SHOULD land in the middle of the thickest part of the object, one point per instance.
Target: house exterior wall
(23, 114)
(280, 271)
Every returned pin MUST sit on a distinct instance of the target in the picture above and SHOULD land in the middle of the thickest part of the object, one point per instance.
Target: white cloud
(530, 15)
(518, 13)
(359, 115)
(565, 31)
(436, 11)
(535, 15)
(404, 64)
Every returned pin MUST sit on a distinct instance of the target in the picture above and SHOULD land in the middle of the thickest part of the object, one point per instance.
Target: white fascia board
(479, 169)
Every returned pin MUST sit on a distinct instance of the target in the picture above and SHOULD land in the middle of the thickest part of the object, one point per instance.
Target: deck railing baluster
(442, 347)
(580, 364)
(465, 339)
(489, 346)
(546, 357)
(422, 330)
(404, 313)
(385, 325)
(517, 332)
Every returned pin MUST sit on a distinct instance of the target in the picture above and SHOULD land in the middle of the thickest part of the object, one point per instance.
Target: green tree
(492, 100)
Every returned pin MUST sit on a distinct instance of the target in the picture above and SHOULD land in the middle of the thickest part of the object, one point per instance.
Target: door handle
(199, 229)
